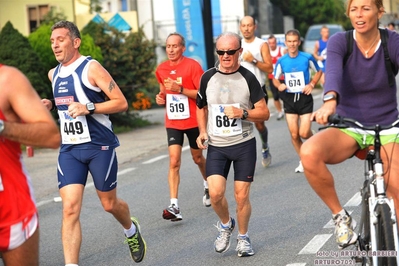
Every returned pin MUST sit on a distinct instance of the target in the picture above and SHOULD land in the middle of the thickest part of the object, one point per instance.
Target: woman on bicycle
(358, 89)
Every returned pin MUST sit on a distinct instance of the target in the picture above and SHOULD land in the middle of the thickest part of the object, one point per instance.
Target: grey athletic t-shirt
(217, 90)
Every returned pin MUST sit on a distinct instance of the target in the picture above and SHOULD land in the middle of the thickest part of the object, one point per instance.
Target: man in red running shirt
(19, 225)
(179, 79)
(276, 52)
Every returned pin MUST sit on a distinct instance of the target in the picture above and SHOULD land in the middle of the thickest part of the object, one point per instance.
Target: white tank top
(255, 49)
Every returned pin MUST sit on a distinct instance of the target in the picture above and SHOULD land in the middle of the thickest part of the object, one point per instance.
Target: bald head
(248, 20)
(247, 28)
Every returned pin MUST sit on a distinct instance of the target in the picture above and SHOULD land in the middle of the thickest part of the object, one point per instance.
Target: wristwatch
(254, 61)
(244, 114)
(329, 97)
(91, 107)
(1, 126)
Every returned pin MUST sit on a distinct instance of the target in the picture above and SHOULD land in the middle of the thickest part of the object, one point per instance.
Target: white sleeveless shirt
(255, 49)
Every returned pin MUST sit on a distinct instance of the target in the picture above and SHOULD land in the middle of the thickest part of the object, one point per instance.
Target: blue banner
(188, 19)
(216, 18)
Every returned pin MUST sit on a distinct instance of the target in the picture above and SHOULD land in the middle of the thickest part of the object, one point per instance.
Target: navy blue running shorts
(176, 136)
(74, 165)
(243, 157)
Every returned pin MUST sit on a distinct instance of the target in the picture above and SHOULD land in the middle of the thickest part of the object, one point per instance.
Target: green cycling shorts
(365, 140)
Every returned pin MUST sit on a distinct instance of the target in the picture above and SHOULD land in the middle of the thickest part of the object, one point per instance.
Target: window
(36, 15)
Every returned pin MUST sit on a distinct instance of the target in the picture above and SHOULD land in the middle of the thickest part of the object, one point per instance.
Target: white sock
(243, 236)
(174, 201)
(71, 264)
(341, 212)
(228, 225)
(205, 184)
(129, 232)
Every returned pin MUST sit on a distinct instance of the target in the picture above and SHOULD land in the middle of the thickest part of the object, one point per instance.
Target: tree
(308, 12)
(137, 62)
(95, 6)
(16, 51)
(130, 58)
(53, 16)
(40, 41)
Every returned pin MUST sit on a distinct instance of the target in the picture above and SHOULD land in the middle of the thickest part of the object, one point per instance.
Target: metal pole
(208, 32)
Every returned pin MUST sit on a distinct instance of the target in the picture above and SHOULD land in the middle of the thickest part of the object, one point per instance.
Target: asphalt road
(289, 223)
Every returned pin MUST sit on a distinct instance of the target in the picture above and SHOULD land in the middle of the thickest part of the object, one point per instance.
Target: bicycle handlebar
(343, 122)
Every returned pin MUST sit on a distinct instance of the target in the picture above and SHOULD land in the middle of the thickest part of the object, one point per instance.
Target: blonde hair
(378, 4)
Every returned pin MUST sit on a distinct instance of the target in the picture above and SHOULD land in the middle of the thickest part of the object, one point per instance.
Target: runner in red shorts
(19, 232)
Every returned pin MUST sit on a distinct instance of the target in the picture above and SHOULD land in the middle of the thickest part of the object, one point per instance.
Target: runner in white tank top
(256, 58)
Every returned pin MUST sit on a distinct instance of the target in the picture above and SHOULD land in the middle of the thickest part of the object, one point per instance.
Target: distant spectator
(391, 26)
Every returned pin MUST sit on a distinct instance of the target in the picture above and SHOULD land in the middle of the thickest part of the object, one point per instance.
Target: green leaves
(15, 50)
(129, 57)
(309, 12)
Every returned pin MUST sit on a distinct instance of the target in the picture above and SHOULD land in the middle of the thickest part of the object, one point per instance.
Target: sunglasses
(229, 52)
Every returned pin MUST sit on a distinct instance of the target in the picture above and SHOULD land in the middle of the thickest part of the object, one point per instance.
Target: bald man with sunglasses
(229, 101)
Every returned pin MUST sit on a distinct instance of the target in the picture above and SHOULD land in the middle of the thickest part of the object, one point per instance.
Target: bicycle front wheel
(384, 235)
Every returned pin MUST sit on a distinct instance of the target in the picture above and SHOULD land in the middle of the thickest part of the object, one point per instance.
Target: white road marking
(315, 244)
(185, 148)
(125, 171)
(163, 156)
(155, 159)
(354, 201)
(296, 264)
(44, 202)
(57, 199)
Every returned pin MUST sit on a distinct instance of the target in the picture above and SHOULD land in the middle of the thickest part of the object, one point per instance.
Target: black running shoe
(137, 245)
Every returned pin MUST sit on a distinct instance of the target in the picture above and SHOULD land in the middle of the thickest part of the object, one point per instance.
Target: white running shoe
(266, 157)
(222, 242)
(206, 200)
(172, 213)
(244, 247)
(344, 230)
(299, 169)
(280, 116)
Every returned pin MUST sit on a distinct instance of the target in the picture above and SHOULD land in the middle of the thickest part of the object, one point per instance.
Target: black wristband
(52, 104)
(181, 89)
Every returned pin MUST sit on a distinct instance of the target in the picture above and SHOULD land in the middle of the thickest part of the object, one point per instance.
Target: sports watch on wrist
(1, 126)
(244, 114)
(254, 61)
(329, 97)
(91, 107)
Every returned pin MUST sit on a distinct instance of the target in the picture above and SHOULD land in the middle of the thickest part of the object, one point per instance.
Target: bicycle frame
(378, 196)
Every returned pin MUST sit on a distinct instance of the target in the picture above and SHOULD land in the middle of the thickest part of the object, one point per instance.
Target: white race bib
(73, 131)
(177, 106)
(295, 81)
(222, 125)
